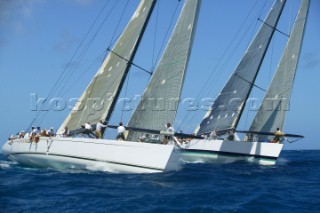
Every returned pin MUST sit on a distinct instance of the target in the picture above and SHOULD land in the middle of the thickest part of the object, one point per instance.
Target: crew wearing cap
(22, 134)
(51, 132)
(38, 130)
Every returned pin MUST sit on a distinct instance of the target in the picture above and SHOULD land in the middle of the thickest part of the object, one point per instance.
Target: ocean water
(293, 185)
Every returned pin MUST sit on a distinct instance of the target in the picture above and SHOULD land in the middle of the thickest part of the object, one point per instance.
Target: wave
(7, 164)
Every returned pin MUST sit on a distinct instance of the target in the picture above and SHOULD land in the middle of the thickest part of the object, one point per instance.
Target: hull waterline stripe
(231, 154)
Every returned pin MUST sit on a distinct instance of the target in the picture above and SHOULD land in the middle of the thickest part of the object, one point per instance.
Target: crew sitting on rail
(44, 133)
(38, 130)
(231, 135)
(33, 133)
(12, 137)
(22, 134)
(66, 132)
(51, 132)
(27, 136)
(278, 134)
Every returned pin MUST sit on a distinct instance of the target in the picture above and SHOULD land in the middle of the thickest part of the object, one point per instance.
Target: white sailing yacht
(103, 91)
(230, 103)
(227, 109)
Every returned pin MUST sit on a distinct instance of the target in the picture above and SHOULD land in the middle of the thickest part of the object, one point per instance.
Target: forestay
(272, 112)
(227, 108)
(159, 102)
(99, 98)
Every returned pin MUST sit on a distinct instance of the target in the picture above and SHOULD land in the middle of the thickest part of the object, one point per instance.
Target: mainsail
(272, 112)
(160, 100)
(228, 107)
(99, 98)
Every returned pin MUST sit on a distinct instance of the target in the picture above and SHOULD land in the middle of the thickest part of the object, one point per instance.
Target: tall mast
(276, 102)
(226, 111)
(160, 100)
(99, 98)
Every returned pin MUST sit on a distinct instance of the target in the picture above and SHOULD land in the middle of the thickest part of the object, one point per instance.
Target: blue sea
(293, 185)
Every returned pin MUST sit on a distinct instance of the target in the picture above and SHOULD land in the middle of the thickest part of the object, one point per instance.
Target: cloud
(17, 8)
(14, 12)
(12, 15)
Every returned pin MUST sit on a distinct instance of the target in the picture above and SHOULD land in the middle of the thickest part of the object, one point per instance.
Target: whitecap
(101, 166)
(4, 165)
(7, 164)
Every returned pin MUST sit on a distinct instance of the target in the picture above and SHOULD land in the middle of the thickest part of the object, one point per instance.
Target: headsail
(99, 98)
(160, 100)
(227, 108)
(272, 112)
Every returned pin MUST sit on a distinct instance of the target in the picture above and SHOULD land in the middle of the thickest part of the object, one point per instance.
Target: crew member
(277, 136)
(168, 137)
(121, 130)
(98, 131)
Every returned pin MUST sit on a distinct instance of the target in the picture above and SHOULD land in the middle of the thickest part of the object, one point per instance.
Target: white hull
(222, 151)
(100, 154)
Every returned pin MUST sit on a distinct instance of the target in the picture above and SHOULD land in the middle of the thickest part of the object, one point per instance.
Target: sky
(41, 39)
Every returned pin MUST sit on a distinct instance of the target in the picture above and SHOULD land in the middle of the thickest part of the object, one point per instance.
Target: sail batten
(160, 100)
(99, 98)
(228, 107)
(276, 102)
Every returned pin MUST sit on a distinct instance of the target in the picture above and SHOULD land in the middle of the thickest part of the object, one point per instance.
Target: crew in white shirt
(168, 137)
(51, 132)
(121, 131)
(87, 129)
